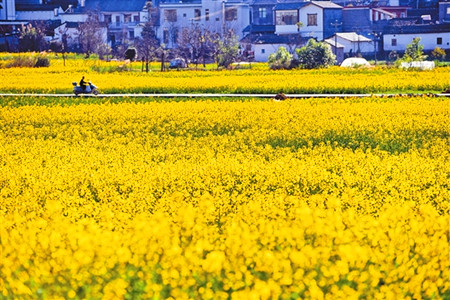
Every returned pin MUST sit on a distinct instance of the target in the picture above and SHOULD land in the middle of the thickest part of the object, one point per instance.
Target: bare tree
(196, 44)
(90, 34)
(32, 37)
(147, 44)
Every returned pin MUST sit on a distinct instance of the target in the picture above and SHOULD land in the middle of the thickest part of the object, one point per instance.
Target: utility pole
(335, 24)
(375, 42)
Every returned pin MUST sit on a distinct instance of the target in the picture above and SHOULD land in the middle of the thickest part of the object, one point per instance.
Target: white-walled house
(123, 18)
(316, 19)
(353, 42)
(431, 36)
(213, 15)
(7, 10)
(38, 12)
(261, 46)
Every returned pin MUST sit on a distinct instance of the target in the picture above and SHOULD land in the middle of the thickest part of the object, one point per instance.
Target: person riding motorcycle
(83, 83)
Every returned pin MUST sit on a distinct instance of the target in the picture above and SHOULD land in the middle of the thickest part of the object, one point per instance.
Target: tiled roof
(260, 28)
(290, 5)
(353, 37)
(326, 4)
(422, 28)
(274, 39)
(114, 6)
(331, 42)
(36, 7)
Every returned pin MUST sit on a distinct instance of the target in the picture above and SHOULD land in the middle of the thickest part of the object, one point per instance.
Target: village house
(396, 38)
(212, 15)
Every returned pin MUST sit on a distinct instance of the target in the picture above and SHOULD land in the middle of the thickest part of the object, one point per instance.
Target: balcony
(121, 25)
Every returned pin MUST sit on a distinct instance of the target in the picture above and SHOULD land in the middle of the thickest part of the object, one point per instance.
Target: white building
(7, 10)
(431, 36)
(352, 42)
(312, 19)
(212, 15)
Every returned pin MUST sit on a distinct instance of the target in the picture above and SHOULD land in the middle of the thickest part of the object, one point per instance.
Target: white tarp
(354, 62)
(422, 65)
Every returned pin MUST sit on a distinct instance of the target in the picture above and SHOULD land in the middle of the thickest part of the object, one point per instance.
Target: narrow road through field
(201, 95)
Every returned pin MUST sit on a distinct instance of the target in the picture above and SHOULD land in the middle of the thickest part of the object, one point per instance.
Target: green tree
(414, 51)
(280, 59)
(315, 55)
(227, 50)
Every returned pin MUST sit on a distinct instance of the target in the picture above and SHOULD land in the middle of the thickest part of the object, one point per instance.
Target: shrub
(29, 62)
(280, 59)
(315, 55)
(438, 53)
(42, 62)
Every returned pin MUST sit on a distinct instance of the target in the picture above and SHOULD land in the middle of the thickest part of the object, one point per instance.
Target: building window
(166, 35)
(207, 14)
(170, 15)
(439, 41)
(136, 19)
(131, 34)
(231, 14)
(286, 17)
(127, 18)
(117, 19)
(394, 42)
(312, 20)
(217, 19)
(262, 13)
(108, 19)
(175, 35)
(184, 15)
(197, 14)
(263, 51)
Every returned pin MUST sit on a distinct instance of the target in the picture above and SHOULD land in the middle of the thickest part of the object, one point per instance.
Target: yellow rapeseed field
(317, 199)
(115, 77)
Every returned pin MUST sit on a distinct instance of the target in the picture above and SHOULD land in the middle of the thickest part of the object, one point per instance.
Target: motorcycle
(90, 89)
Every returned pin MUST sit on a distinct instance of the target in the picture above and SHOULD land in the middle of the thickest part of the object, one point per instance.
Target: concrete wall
(8, 10)
(312, 31)
(262, 51)
(364, 47)
(428, 40)
(36, 15)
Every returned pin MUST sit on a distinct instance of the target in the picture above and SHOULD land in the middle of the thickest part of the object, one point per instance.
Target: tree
(32, 37)
(90, 34)
(280, 59)
(195, 44)
(147, 44)
(414, 51)
(315, 55)
(227, 49)
(438, 53)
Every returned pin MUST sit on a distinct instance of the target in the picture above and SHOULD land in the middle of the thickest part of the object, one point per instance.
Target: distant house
(396, 38)
(37, 12)
(7, 10)
(215, 16)
(365, 19)
(261, 46)
(68, 33)
(123, 18)
(337, 49)
(444, 12)
(262, 12)
(353, 43)
(317, 19)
